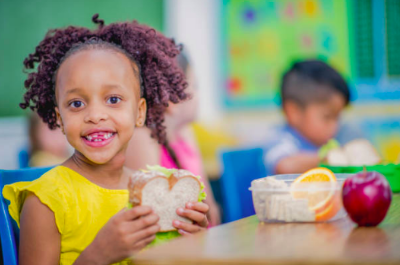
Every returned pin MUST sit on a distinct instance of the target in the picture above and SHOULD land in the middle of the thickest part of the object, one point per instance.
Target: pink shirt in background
(188, 157)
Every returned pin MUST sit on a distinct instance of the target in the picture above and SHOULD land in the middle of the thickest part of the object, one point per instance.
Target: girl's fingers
(198, 206)
(141, 223)
(183, 233)
(135, 212)
(189, 228)
(198, 217)
(143, 243)
(144, 233)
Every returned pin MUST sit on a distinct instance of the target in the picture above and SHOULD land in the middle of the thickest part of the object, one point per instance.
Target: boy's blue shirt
(284, 142)
(287, 141)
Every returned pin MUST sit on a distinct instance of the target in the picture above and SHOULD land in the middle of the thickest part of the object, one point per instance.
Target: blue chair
(23, 158)
(240, 167)
(9, 231)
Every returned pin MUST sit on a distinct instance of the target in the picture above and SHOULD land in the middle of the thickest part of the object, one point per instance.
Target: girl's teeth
(95, 139)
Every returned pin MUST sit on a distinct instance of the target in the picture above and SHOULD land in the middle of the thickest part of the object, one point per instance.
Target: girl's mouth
(98, 139)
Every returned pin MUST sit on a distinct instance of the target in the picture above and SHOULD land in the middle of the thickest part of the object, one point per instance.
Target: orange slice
(318, 187)
(330, 210)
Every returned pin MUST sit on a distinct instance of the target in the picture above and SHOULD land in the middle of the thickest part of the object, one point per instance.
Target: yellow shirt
(81, 208)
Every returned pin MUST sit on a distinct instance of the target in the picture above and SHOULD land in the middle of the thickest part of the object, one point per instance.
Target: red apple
(366, 198)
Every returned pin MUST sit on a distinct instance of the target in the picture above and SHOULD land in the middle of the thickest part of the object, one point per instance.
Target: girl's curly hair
(161, 79)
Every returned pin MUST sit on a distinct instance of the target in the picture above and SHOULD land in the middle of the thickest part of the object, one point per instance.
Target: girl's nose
(95, 114)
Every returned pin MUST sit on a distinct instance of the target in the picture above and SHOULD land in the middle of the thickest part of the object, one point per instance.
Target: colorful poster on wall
(383, 132)
(263, 38)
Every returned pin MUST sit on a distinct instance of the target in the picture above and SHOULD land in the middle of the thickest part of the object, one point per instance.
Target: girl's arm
(40, 242)
(123, 235)
(39, 237)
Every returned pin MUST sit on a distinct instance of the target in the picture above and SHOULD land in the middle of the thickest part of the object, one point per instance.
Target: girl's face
(99, 104)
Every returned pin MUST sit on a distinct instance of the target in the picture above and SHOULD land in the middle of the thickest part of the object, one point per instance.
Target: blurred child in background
(313, 96)
(181, 149)
(47, 147)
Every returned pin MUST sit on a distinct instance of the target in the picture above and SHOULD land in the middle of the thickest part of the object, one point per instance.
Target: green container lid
(390, 171)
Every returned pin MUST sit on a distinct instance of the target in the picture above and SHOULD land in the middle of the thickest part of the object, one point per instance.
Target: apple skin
(366, 198)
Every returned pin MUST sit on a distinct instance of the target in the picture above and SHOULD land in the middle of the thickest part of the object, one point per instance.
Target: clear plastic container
(278, 199)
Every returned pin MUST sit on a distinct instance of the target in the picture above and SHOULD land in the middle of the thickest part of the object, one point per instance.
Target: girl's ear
(141, 115)
(59, 120)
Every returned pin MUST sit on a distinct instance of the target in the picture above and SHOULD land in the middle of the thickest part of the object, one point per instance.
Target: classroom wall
(23, 24)
(195, 23)
(259, 39)
(202, 25)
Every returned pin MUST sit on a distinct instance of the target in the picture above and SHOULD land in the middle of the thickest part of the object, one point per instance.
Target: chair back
(9, 231)
(23, 158)
(240, 167)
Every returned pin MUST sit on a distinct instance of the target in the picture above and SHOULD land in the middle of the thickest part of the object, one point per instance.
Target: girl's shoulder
(54, 189)
(59, 179)
(54, 180)
(59, 174)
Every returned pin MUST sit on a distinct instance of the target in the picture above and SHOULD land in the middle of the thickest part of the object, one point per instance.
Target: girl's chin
(90, 159)
(106, 157)
(115, 160)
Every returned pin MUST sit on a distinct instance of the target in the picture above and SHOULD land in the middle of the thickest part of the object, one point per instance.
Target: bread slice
(164, 194)
(337, 157)
(361, 152)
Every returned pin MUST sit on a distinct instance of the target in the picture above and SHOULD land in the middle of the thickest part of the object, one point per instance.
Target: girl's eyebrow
(113, 86)
(74, 90)
(77, 89)
(117, 87)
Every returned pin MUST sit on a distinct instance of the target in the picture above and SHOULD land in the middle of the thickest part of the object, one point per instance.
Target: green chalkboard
(23, 25)
(393, 37)
(364, 38)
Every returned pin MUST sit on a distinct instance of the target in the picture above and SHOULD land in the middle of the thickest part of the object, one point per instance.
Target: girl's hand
(124, 234)
(214, 215)
(195, 211)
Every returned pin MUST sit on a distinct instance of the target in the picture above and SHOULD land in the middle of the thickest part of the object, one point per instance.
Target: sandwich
(165, 190)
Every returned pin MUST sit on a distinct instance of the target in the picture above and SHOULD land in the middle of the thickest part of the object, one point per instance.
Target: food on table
(313, 196)
(337, 157)
(280, 205)
(366, 198)
(358, 152)
(319, 187)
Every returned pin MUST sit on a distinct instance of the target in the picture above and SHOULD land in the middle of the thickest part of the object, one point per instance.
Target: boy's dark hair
(311, 81)
(161, 79)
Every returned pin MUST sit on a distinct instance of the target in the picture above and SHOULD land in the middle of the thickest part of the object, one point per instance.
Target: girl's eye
(76, 104)
(113, 100)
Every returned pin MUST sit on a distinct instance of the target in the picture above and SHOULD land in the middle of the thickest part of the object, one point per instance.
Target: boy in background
(313, 97)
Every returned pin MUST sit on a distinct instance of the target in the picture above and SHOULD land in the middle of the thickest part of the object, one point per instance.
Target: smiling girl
(97, 86)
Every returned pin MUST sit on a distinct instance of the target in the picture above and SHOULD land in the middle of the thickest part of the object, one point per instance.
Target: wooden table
(248, 241)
